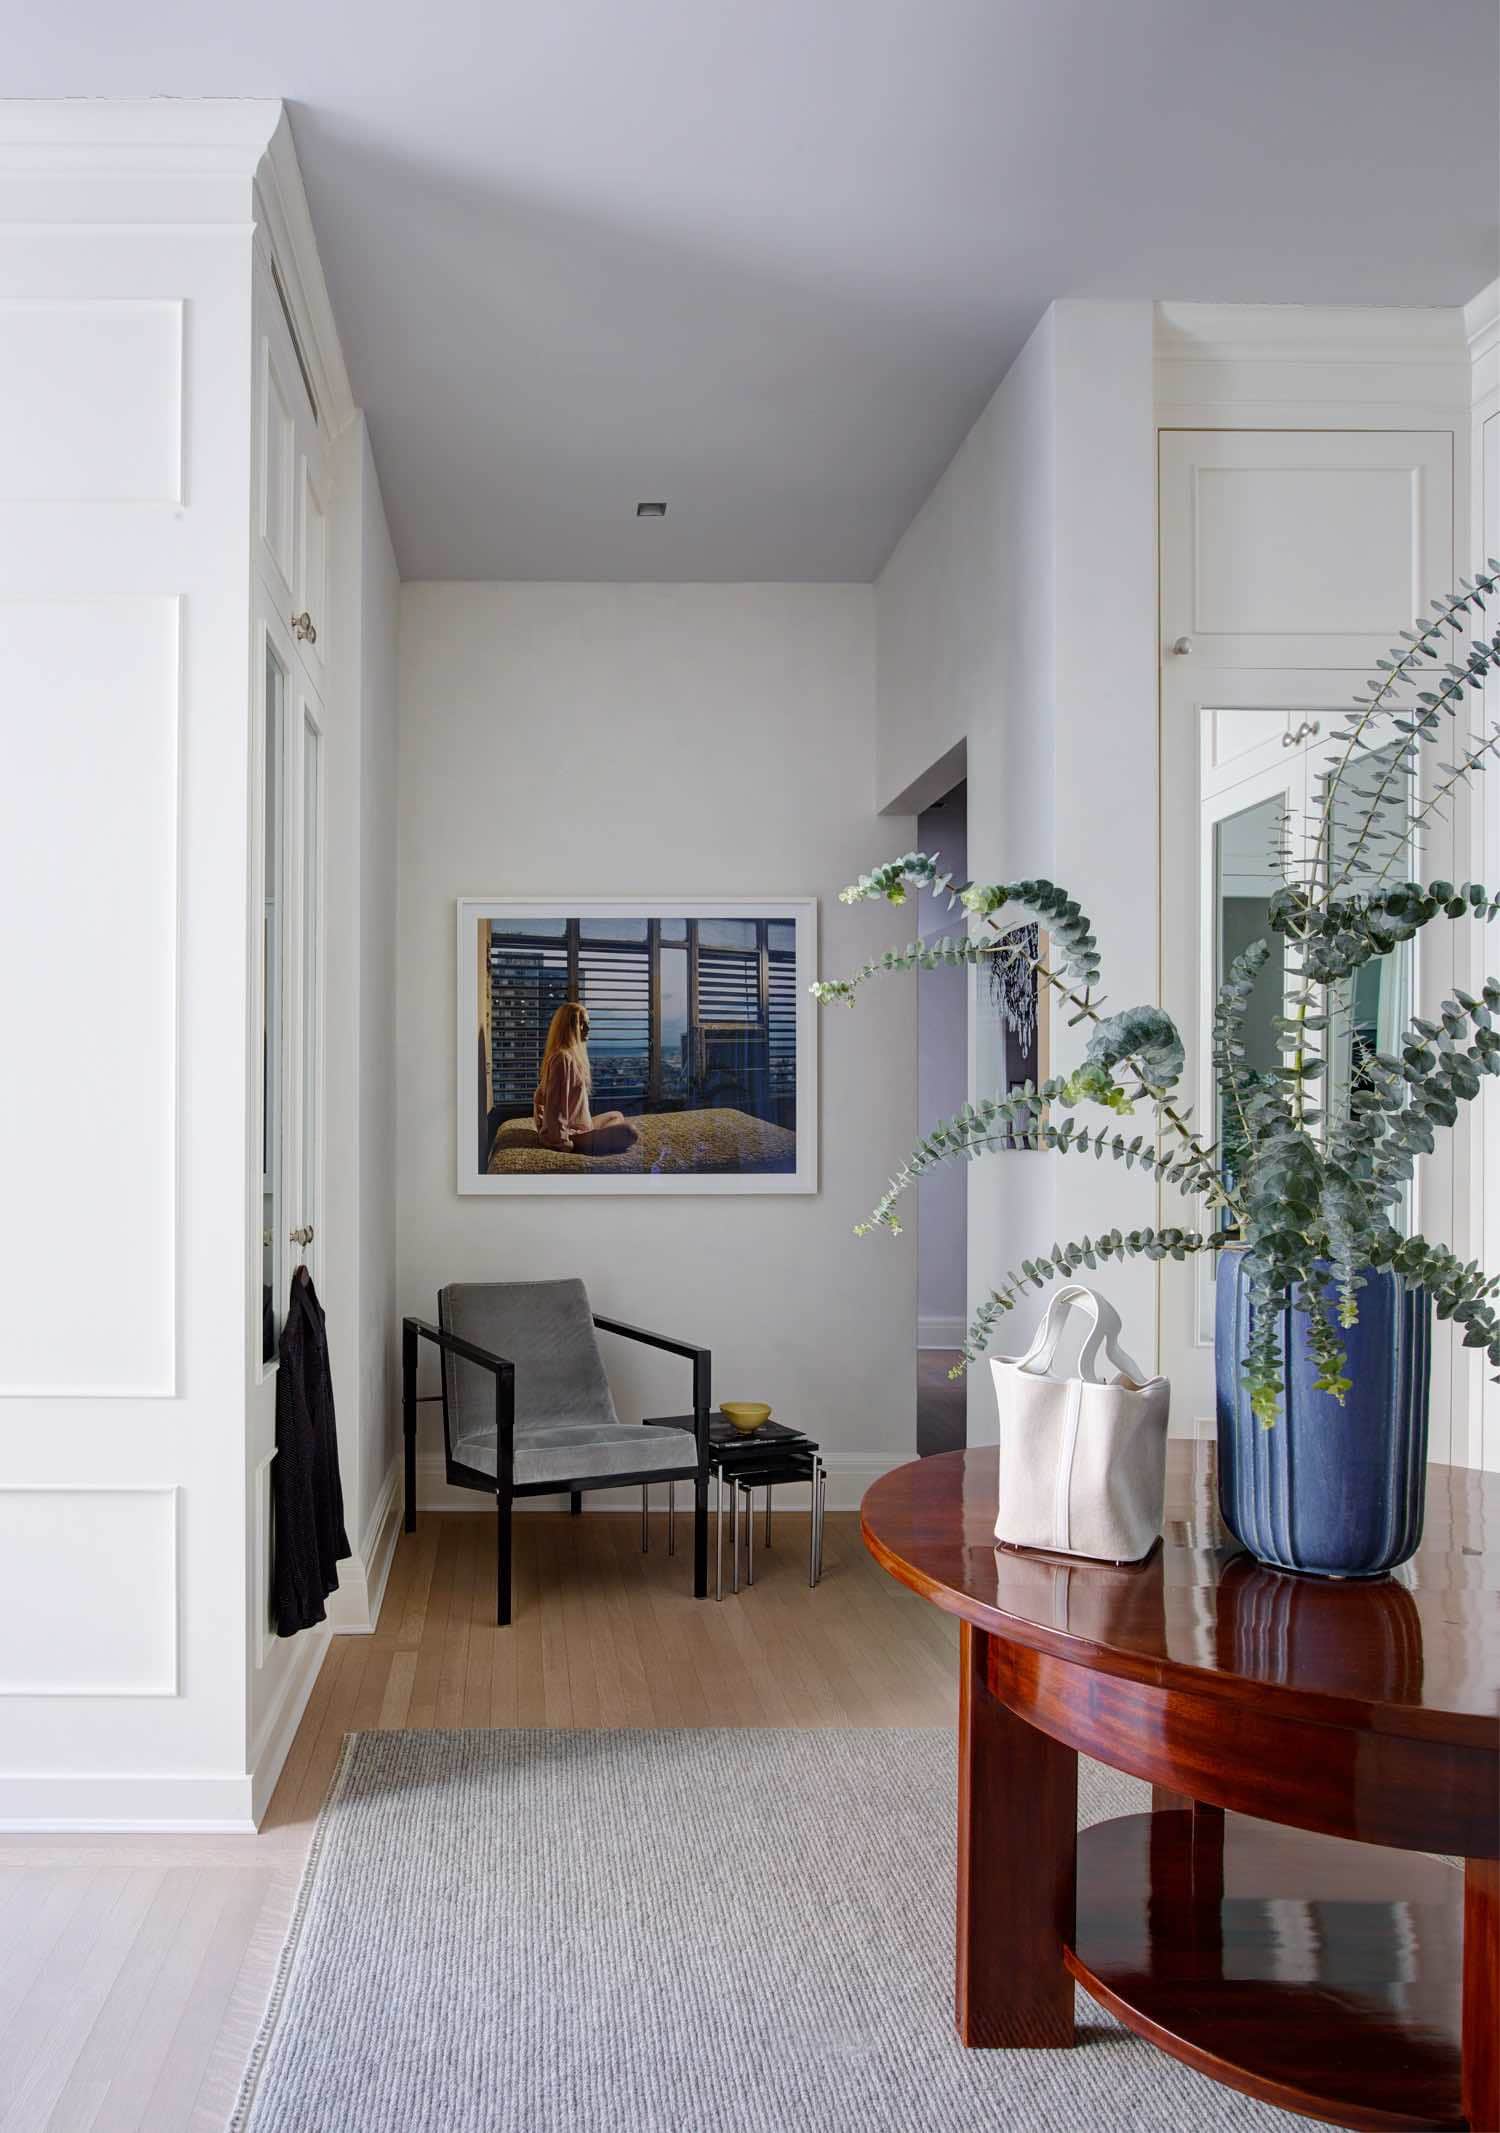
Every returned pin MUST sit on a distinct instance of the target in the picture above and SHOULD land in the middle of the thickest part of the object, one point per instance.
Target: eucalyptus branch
(1398, 671)
(1457, 774)
(1153, 1244)
(1047, 905)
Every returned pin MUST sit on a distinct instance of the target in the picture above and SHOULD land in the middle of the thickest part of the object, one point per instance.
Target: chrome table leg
(822, 1504)
(671, 1518)
(768, 1514)
(734, 1532)
(719, 1538)
(749, 1535)
(645, 1529)
(812, 1523)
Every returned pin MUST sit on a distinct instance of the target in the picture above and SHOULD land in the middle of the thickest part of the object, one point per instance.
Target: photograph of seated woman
(560, 1108)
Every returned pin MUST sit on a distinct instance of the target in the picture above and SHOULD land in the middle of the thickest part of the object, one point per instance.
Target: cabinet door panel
(276, 465)
(1301, 548)
(312, 561)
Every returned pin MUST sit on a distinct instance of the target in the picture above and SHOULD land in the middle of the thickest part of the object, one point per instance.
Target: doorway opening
(942, 1089)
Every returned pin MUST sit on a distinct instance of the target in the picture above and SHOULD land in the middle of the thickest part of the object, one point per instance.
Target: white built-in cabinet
(290, 664)
(1290, 560)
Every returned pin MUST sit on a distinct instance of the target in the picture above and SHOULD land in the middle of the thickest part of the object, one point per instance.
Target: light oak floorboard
(134, 1969)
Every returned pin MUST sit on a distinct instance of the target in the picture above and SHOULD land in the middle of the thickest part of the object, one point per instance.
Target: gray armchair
(527, 1407)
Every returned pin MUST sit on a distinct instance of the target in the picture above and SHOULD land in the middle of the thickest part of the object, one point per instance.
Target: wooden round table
(1282, 1955)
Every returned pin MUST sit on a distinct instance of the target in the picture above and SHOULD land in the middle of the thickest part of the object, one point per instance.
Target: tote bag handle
(1103, 1333)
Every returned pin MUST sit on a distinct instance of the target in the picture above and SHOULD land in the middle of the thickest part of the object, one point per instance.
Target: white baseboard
(279, 1730)
(355, 1608)
(849, 1475)
(941, 1332)
(66, 1803)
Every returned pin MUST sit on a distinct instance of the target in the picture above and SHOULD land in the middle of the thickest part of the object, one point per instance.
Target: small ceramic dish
(746, 1415)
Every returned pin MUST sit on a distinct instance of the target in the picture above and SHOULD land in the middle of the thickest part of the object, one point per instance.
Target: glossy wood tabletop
(1417, 1653)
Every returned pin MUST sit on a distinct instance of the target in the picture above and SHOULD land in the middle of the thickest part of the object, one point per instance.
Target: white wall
(1017, 616)
(669, 740)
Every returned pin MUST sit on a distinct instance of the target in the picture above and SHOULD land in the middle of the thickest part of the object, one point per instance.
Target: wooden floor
(133, 1970)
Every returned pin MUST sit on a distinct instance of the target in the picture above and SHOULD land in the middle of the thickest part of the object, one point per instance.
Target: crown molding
(159, 136)
(1482, 328)
(1307, 333)
(286, 221)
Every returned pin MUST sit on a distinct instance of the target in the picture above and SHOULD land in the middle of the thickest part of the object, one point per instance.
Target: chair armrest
(414, 1327)
(502, 1369)
(652, 1340)
(700, 1358)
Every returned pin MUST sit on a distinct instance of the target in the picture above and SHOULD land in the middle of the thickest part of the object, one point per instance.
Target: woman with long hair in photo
(560, 1107)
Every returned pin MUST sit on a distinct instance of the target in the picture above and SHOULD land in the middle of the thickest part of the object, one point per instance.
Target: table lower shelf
(1304, 1971)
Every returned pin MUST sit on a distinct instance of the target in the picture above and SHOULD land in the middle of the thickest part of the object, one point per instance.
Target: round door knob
(1182, 647)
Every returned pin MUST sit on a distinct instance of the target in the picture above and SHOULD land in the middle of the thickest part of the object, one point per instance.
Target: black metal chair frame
(502, 1484)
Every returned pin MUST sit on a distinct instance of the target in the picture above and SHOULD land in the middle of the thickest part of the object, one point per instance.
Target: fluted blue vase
(1336, 1491)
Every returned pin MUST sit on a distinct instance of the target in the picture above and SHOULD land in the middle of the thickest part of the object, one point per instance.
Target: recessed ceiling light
(650, 510)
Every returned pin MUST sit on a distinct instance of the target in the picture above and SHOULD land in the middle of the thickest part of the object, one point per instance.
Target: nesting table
(1273, 1947)
(768, 1458)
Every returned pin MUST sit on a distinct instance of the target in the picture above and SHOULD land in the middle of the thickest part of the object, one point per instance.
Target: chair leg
(409, 1426)
(700, 1536)
(502, 1558)
(575, 1501)
(671, 1518)
(645, 1529)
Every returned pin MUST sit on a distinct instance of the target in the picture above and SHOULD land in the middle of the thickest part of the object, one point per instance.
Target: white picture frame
(762, 1141)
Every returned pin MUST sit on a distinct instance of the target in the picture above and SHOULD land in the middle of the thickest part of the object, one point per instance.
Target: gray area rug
(719, 1931)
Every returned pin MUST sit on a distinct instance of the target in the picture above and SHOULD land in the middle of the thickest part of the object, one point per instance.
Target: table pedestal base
(1308, 1972)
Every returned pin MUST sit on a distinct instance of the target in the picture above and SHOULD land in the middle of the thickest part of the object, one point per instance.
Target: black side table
(767, 1458)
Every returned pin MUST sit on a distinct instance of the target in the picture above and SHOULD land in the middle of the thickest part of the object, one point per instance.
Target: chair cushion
(567, 1453)
(546, 1329)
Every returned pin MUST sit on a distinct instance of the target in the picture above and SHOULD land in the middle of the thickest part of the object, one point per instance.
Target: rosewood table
(1284, 1954)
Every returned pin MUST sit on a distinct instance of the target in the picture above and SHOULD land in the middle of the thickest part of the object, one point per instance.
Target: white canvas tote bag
(1083, 1459)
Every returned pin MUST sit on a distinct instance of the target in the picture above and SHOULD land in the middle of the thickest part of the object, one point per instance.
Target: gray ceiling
(766, 259)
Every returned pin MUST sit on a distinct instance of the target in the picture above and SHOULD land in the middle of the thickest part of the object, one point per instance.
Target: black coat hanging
(307, 1498)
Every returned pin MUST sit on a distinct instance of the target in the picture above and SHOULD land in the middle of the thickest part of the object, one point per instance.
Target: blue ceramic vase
(1336, 1491)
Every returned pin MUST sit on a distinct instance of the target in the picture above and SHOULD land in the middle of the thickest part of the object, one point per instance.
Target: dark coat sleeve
(307, 1500)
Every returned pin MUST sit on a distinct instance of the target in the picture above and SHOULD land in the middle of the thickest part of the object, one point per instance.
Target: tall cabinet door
(1289, 561)
(288, 901)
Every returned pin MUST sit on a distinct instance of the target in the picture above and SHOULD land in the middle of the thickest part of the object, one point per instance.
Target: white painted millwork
(152, 415)
(91, 971)
(1290, 548)
(1291, 558)
(91, 401)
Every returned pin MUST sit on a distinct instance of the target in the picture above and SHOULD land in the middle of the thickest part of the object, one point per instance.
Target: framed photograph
(1008, 1018)
(614, 1046)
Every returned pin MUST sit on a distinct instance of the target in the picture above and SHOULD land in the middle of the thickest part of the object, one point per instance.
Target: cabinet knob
(301, 1236)
(1304, 732)
(1182, 647)
(304, 629)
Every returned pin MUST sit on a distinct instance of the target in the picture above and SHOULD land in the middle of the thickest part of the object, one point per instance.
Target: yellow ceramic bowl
(746, 1415)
